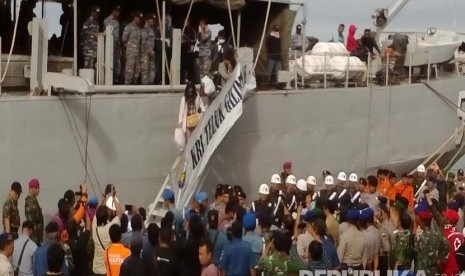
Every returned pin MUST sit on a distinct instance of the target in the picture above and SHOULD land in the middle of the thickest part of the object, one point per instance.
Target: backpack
(69, 261)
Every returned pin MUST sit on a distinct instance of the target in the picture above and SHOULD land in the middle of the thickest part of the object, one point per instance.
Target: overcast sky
(323, 16)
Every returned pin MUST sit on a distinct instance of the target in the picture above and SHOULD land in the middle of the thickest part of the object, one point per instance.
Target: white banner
(213, 127)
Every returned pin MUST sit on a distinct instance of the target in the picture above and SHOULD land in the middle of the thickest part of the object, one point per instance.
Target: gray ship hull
(131, 138)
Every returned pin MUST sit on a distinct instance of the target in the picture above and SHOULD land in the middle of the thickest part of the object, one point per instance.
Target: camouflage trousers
(204, 66)
(116, 64)
(147, 70)
(132, 70)
(89, 62)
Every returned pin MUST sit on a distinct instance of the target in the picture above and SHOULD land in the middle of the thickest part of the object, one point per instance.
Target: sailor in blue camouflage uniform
(147, 51)
(131, 41)
(112, 20)
(89, 35)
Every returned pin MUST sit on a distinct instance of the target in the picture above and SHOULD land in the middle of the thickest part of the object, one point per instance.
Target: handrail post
(410, 69)
(347, 71)
(368, 68)
(387, 69)
(296, 80)
(324, 72)
(429, 67)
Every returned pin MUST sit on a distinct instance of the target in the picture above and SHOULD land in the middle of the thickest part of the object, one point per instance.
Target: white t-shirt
(5, 266)
(98, 265)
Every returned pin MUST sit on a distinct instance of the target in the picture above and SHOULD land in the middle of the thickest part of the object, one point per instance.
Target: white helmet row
(342, 176)
(302, 185)
(275, 179)
(353, 177)
(311, 180)
(329, 180)
(291, 180)
(264, 189)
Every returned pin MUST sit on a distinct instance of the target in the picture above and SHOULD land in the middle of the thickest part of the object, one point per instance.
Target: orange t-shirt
(383, 187)
(406, 191)
(114, 257)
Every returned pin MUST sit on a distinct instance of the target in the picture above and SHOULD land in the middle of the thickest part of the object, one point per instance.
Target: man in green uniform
(10, 216)
(33, 212)
(432, 245)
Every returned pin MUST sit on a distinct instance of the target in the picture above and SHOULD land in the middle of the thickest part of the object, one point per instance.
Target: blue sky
(323, 16)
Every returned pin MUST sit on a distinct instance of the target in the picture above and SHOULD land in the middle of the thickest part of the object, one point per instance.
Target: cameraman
(66, 208)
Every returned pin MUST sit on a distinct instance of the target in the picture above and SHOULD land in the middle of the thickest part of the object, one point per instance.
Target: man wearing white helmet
(290, 198)
(419, 177)
(311, 184)
(277, 200)
(341, 182)
(263, 207)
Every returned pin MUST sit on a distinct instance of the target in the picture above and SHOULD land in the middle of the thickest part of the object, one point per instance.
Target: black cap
(298, 27)
(460, 172)
(241, 194)
(16, 187)
(326, 172)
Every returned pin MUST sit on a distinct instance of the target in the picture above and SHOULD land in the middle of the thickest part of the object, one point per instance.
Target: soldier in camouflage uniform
(205, 46)
(10, 216)
(89, 34)
(131, 41)
(402, 247)
(432, 245)
(112, 20)
(147, 51)
(33, 212)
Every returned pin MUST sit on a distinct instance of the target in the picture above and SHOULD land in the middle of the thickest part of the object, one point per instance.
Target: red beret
(425, 215)
(451, 215)
(287, 165)
(34, 183)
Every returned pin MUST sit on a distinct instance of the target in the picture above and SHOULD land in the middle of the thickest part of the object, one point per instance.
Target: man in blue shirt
(25, 248)
(217, 238)
(256, 242)
(136, 224)
(40, 265)
(168, 197)
(237, 258)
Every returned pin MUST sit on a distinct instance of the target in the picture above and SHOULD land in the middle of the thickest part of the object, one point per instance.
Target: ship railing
(303, 74)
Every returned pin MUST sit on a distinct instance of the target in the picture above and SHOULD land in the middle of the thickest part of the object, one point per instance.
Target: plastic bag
(179, 138)
(208, 85)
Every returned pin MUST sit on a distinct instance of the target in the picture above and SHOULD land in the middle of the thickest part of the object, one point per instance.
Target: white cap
(291, 180)
(353, 177)
(311, 180)
(421, 168)
(111, 204)
(275, 179)
(342, 176)
(302, 185)
(264, 190)
(329, 180)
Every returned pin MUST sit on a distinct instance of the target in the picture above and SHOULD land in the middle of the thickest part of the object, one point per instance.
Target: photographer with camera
(67, 207)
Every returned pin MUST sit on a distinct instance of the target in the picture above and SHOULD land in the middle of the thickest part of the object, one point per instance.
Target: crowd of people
(137, 48)
(346, 223)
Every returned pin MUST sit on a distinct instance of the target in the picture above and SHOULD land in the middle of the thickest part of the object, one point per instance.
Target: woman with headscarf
(190, 110)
